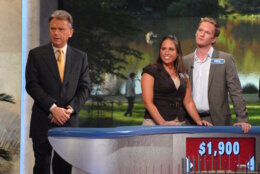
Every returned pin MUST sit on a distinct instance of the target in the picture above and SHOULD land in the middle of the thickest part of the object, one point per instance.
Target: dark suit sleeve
(33, 86)
(84, 87)
(235, 91)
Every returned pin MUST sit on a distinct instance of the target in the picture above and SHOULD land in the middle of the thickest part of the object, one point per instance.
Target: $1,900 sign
(220, 153)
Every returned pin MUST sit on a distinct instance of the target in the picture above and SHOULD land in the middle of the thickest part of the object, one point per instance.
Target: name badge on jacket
(217, 61)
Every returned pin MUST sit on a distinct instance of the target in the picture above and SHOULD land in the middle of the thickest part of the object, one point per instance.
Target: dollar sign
(202, 148)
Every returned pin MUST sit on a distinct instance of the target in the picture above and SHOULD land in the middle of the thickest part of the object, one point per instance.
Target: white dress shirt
(200, 81)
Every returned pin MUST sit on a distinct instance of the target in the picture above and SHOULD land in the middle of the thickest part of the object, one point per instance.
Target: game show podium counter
(158, 149)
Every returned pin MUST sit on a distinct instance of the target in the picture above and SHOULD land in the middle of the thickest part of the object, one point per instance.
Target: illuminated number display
(219, 154)
(223, 148)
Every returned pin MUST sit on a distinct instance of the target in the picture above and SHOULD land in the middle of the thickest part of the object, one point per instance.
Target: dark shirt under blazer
(44, 85)
(223, 79)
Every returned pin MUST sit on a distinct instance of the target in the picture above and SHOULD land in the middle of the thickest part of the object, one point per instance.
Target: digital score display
(220, 154)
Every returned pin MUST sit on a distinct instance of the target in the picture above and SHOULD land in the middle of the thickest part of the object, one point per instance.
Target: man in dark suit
(57, 78)
(213, 76)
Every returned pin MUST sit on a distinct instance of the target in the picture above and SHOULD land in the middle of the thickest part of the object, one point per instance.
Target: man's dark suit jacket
(44, 85)
(223, 80)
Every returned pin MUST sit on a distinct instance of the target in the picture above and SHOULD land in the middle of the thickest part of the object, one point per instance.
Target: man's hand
(69, 110)
(245, 126)
(54, 120)
(60, 115)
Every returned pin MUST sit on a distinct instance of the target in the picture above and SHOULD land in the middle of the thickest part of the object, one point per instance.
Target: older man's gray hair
(62, 15)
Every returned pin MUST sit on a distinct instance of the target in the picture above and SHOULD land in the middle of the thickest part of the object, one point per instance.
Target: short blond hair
(212, 21)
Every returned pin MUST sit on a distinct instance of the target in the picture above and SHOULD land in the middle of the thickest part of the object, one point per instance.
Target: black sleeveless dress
(167, 99)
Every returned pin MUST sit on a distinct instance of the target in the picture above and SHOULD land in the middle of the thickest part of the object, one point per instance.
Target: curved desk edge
(128, 131)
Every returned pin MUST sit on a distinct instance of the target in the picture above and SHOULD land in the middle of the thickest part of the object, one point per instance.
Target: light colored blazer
(223, 80)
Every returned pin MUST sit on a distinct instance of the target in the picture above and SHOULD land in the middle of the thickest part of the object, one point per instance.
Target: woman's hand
(204, 123)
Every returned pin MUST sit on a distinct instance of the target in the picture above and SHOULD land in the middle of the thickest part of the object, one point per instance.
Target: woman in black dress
(166, 90)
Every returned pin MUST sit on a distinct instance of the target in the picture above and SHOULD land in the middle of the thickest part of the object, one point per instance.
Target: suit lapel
(190, 69)
(51, 62)
(213, 67)
(68, 65)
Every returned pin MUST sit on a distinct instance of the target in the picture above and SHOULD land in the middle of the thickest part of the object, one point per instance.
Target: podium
(158, 149)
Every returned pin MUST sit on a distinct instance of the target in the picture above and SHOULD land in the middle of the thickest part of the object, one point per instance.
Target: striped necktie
(61, 64)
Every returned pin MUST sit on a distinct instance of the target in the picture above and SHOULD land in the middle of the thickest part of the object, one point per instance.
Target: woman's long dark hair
(178, 64)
